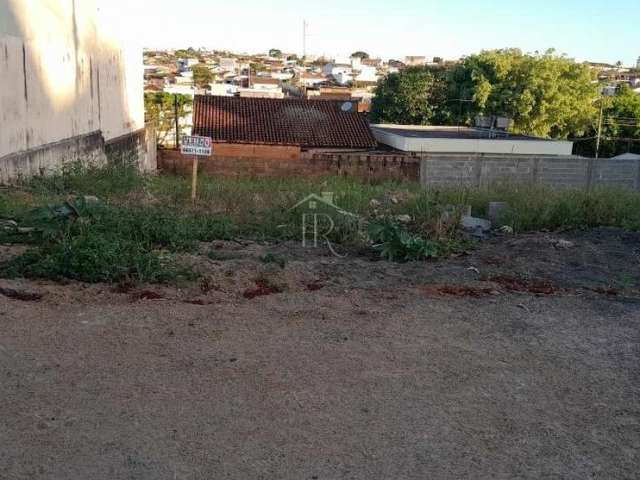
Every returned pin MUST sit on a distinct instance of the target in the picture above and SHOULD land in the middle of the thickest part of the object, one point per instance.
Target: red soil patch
(512, 284)
(198, 302)
(146, 295)
(20, 295)
(262, 288)
(458, 290)
(312, 287)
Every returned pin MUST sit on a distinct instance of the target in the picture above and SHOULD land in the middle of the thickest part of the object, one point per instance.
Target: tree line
(546, 95)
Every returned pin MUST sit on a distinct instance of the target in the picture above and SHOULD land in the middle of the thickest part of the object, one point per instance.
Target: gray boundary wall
(138, 146)
(555, 171)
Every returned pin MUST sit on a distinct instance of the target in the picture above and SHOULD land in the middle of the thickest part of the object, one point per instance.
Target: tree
(188, 53)
(274, 52)
(437, 60)
(412, 96)
(160, 108)
(202, 76)
(360, 54)
(620, 126)
(257, 67)
(546, 95)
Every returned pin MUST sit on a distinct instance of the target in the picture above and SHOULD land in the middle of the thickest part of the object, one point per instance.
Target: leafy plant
(272, 258)
(397, 244)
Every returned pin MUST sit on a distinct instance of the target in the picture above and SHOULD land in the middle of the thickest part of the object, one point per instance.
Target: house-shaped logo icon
(313, 202)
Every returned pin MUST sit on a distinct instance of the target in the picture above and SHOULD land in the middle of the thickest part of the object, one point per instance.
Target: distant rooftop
(446, 139)
(423, 131)
(281, 122)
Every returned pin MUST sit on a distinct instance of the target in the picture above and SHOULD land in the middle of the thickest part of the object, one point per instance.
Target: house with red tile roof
(243, 126)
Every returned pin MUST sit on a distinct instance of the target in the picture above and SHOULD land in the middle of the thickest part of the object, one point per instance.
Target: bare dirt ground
(519, 360)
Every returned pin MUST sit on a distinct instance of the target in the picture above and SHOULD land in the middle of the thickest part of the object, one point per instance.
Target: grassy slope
(143, 220)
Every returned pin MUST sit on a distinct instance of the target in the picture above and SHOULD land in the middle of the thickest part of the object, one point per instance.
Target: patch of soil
(459, 290)
(604, 291)
(20, 295)
(262, 288)
(198, 302)
(513, 284)
(146, 295)
(312, 287)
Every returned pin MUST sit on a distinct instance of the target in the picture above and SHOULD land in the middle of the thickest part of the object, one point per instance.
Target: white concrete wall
(65, 71)
(466, 145)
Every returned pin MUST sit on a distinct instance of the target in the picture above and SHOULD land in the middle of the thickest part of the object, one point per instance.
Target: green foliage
(89, 257)
(257, 67)
(274, 52)
(188, 53)
(546, 95)
(79, 178)
(272, 258)
(397, 244)
(132, 232)
(620, 126)
(202, 76)
(160, 108)
(411, 96)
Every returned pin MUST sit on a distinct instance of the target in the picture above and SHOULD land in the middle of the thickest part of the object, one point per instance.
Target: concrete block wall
(555, 171)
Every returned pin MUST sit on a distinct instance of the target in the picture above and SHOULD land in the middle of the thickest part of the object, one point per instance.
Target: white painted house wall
(64, 73)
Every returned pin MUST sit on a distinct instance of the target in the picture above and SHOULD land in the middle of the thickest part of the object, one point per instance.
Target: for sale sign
(195, 145)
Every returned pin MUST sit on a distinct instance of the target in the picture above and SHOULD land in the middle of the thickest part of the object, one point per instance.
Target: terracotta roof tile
(280, 122)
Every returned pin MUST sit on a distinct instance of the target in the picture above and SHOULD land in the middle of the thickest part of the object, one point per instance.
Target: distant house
(223, 89)
(330, 93)
(341, 72)
(413, 61)
(366, 74)
(265, 83)
(184, 64)
(228, 64)
(372, 62)
(180, 89)
(272, 128)
(311, 79)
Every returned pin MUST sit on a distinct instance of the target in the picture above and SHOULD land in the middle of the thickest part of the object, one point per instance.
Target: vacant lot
(519, 359)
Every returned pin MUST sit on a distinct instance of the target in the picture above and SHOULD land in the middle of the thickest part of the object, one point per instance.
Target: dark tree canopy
(360, 54)
(274, 52)
(546, 95)
(412, 96)
(620, 126)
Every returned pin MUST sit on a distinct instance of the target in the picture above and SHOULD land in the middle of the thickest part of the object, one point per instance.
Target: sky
(596, 30)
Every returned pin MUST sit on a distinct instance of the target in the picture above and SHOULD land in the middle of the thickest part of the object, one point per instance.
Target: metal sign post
(198, 147)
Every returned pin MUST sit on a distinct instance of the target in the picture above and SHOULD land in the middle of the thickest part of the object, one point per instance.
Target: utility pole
(175, 113)
(599, 126)
(304, 38)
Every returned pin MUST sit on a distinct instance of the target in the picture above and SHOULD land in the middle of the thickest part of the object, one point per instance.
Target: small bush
(272, 258)
(397, 244)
